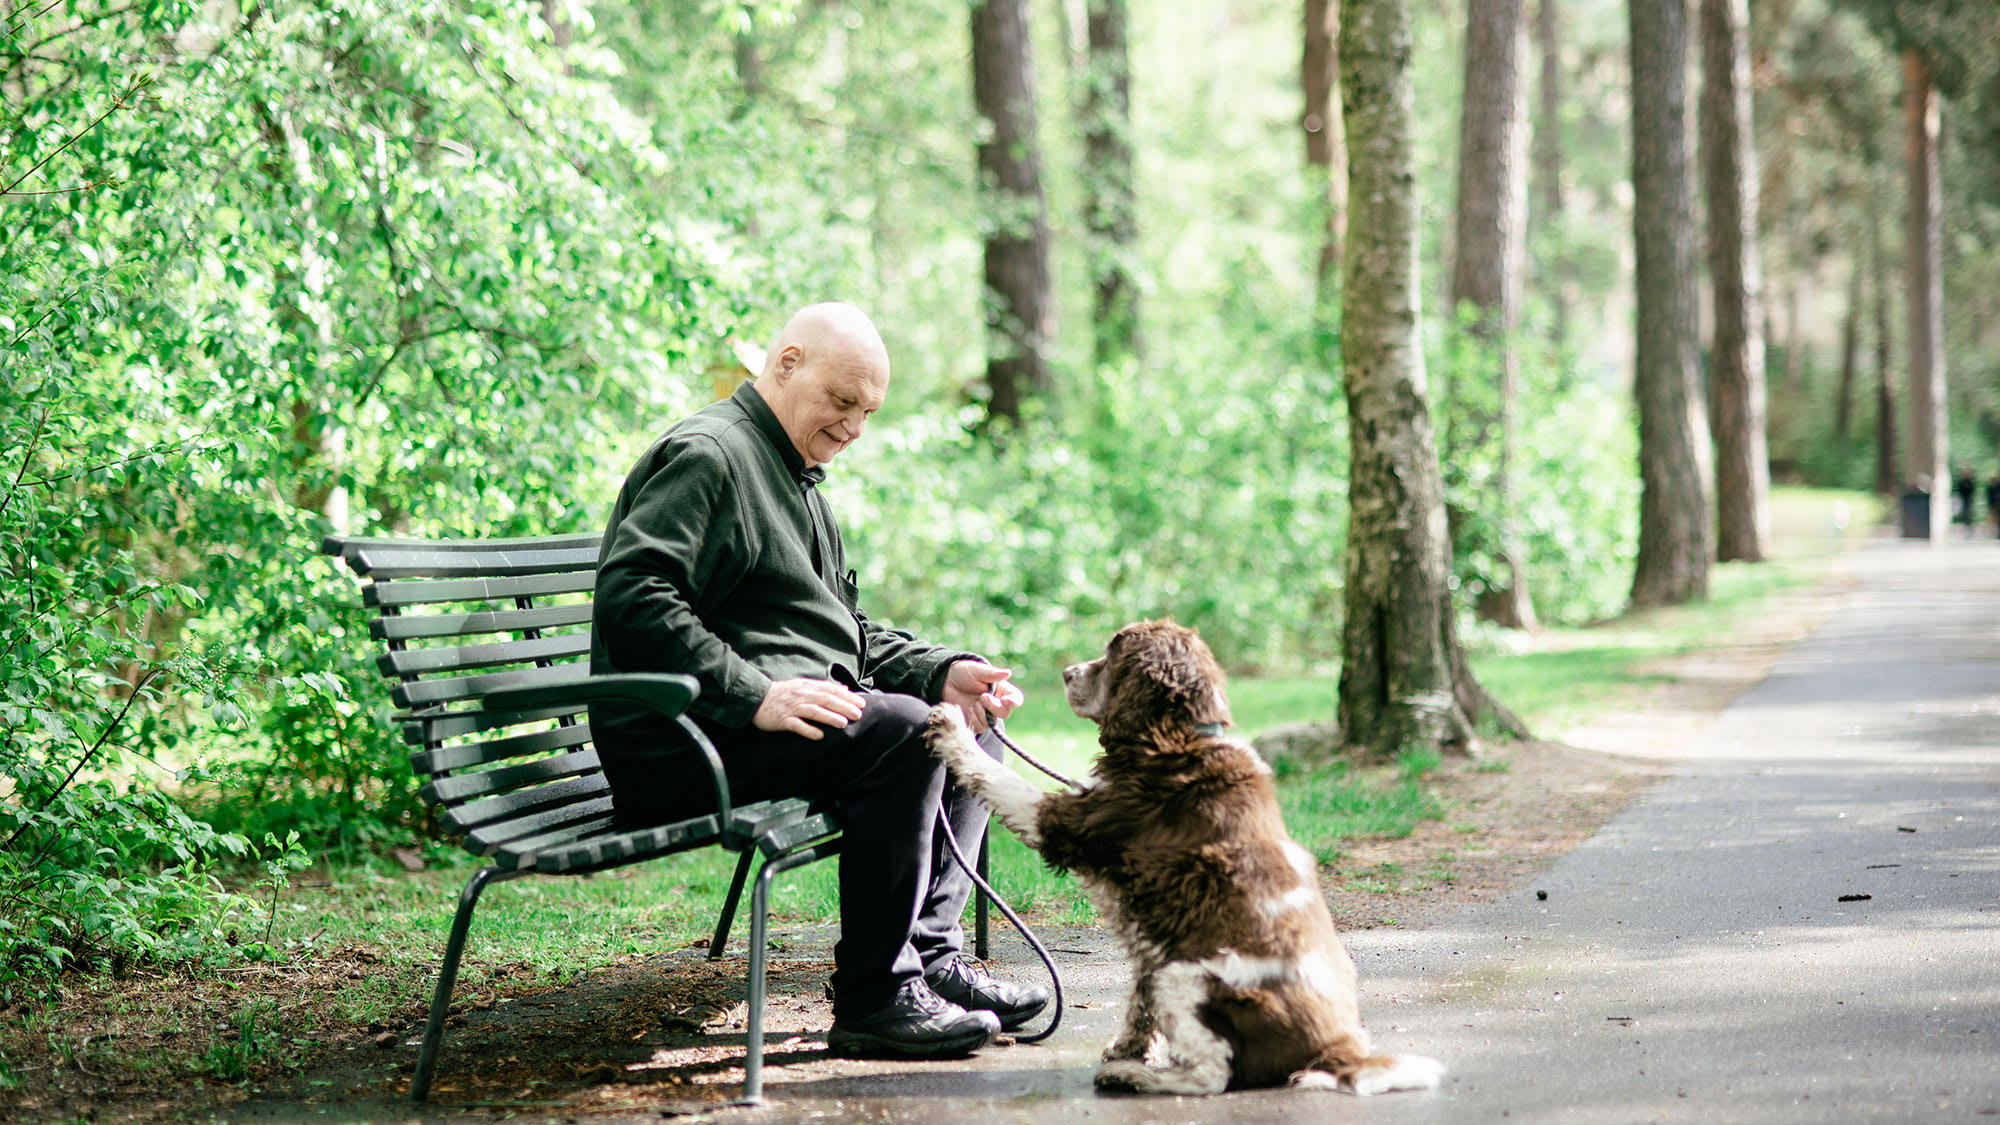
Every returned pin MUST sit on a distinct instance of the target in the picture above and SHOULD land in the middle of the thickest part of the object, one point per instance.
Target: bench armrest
(664, 693)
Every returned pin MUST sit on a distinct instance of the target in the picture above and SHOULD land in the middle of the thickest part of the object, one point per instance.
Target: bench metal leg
(420, 1083)
(760, 908)
(983, 908)
(721, 940)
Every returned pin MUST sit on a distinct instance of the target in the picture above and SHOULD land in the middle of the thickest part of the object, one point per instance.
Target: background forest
(443, 267)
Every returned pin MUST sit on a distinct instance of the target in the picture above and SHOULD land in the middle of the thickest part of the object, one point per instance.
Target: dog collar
(1212, 730)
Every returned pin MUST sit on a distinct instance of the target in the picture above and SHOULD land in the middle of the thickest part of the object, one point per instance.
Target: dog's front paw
(1121, 1075)
(947, 735)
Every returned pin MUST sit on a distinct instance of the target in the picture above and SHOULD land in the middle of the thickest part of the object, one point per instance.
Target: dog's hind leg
(1197, 1058)
(1379, 1074)
(1010, 797)
(1137, 1033)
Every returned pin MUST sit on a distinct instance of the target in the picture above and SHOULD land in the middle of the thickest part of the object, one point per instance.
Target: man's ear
(787, 361)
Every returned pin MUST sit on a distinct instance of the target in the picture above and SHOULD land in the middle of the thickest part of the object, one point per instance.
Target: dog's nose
(1069, 673)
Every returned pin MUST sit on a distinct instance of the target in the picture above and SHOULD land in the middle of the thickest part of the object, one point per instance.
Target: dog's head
(1152, 672)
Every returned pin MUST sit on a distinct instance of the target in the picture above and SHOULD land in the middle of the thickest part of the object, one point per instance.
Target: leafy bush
(1575, 492)
(97, 864)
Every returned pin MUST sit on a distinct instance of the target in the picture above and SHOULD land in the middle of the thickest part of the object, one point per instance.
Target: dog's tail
(1374, 1074)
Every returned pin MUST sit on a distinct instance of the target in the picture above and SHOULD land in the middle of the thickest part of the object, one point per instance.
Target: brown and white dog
(1238, 976)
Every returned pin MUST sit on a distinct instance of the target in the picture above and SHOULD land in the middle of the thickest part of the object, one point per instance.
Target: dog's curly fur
(1239, 978)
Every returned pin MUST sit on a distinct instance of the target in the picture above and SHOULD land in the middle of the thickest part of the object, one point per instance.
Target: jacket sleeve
(896, 660)
(683, 532)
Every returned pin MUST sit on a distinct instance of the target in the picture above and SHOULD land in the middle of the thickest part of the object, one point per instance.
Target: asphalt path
(1802, 924)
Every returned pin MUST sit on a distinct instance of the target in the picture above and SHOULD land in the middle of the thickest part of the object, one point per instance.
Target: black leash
(1013, 919)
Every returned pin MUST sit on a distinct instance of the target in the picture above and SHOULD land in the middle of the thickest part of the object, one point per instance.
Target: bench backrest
(460, 618)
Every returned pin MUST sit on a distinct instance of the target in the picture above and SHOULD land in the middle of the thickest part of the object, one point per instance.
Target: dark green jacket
(722, 561)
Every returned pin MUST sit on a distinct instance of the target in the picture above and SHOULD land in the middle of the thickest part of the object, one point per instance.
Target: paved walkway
(1803, 925)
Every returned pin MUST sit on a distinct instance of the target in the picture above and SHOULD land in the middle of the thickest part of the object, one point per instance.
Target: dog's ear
(1178, 663)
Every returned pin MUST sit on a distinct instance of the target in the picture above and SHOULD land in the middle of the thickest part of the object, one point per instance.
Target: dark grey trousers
(901, 894)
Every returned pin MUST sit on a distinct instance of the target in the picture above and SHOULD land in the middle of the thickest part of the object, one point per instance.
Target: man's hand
(804, 706)
(979, 689)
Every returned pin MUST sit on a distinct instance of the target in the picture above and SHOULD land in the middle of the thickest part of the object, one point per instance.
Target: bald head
(826, 372)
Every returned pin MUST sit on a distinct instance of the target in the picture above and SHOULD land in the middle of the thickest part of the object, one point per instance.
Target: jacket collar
(767, 423)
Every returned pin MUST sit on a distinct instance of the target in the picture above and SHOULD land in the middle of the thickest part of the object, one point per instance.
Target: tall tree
(1673, 510)
(1403, 677)
(1736, 379)
(1885, 388)
(1548, 156)
(1850, 351)
(1109, 205)
(1326, 137)
(1020, 310)
(1924, 464)
(1487, 274)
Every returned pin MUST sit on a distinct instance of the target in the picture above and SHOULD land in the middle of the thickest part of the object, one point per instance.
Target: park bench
(488, 645)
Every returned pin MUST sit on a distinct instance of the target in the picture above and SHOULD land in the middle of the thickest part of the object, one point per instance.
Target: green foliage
(1167, 492)
(1573, 501)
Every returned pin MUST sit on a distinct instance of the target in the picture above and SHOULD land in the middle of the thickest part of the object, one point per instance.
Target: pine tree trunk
(1492, 249)
(1885, 381)
(1326, 138)
(1020, 312)
(1403, 680)
(1549, 161)
(1673, 511)
(1109, 205)
(1850, 354)
(1925, 451)
(1742, 462)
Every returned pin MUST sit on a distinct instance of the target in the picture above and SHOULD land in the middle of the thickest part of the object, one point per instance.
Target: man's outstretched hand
(804, 707)
(982, 692)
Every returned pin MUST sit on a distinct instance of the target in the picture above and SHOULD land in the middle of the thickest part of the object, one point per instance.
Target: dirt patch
(1509, 816)
(661, 1036)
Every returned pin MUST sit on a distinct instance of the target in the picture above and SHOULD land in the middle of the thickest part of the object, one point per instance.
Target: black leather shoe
(961, 980)
(917, 1024)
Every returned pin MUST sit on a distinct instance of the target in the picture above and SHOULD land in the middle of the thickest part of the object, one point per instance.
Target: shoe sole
(850, 1044)
(1018, 1020)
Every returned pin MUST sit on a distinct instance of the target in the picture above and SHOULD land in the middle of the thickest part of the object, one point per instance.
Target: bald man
(723, 561)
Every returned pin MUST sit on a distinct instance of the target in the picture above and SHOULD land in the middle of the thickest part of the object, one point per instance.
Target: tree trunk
(1885, 383)
(1326, 138)
(1925, 451)
(1850, 354)
(1020, 314)
(1673, 511)
(1492, 249)
(1403, 679)
(1109, 204)
(1742, 461)
(1549, 161)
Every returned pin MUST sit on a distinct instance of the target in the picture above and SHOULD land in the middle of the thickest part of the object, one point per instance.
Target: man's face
(825, 400)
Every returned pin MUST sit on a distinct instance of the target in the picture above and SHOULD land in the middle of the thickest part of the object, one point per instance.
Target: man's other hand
(980, 690)
(804, 706)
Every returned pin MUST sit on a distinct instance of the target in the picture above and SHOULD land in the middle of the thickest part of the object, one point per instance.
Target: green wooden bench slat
(763, 816)
(416, 626)
(456, 658)
(385, 563)
(452, 689)
(555, 858)
(465, 755)
(777, 840)
(344, 545)
(417, 591)
(436, 724)
(521, 804)
(490, 838)
(463, 787)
